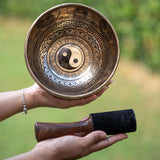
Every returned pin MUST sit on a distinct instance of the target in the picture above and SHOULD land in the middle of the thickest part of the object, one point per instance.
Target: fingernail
(111, 80)
(95, 97)
(103, 134)
(126, 136)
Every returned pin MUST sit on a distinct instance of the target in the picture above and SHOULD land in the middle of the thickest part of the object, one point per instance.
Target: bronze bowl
(71, 51)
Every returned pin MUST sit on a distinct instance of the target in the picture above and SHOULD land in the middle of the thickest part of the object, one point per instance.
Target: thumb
(94, 137)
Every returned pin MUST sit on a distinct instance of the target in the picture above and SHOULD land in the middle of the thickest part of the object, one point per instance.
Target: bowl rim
(60, 95)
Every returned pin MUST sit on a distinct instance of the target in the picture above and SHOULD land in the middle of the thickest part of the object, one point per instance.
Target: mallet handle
(52, 130)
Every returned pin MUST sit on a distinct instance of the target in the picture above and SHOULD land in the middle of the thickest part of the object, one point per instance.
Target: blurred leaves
(137, 23)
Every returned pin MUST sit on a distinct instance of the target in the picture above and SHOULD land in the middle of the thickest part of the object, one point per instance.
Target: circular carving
(70, 57)
(71, 51)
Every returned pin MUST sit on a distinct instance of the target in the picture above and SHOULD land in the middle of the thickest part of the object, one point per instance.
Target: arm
(12, 103)
(62, 148)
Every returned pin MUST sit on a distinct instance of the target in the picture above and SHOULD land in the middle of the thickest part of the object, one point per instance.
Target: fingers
(110, 81)
(91, 98)
(78, 102)
(91, 140)
(98, 94)
(87, 99)
(45, 99)
(94, 137)
(104, 89)
(98, 140)
(107, 142)
(94, 141)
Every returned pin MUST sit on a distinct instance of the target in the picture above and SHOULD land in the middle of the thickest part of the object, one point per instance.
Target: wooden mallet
(114, 122)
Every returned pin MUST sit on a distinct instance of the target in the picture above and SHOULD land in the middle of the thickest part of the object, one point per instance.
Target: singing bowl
(71, 51)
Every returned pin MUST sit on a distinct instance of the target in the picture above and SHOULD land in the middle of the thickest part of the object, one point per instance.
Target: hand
(74, 147)
(36, 97)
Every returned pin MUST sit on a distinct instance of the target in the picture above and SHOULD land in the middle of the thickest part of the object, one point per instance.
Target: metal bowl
(71, 51)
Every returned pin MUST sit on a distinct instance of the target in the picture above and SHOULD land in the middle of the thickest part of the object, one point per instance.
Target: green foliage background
(137, 23)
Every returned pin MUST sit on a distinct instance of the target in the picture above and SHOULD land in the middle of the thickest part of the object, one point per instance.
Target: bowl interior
(71, 50)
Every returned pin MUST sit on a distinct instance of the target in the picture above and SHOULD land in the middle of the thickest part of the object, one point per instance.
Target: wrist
(44, 151)
(30, 98)
(33, 154)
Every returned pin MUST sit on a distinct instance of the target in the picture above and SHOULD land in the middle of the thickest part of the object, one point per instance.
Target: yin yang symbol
(70, 58)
